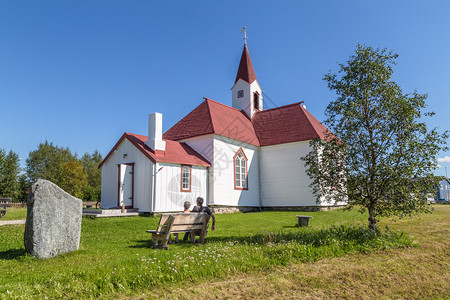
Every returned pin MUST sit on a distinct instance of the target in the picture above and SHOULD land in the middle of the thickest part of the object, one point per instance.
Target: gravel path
(12, 222)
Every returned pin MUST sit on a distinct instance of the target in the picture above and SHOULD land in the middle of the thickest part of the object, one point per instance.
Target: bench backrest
(5, 202)
(166, 224)
(186, 221)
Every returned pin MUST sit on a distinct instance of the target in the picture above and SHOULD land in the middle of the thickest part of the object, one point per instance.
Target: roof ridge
(209, 113)
(217, 102)
(312, 120)
(279, 107)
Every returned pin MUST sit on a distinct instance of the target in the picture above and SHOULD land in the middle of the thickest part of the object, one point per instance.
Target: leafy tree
(74, 179)
(90, 162)
(381, 156)
(9, 172)
(46, 162)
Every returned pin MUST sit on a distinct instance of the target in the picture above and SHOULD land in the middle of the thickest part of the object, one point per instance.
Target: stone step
(112, 211)
(115, 212)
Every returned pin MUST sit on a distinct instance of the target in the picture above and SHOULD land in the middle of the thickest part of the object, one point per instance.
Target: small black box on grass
(303, 220)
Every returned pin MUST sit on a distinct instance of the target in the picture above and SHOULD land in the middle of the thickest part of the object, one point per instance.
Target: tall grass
(116, 255)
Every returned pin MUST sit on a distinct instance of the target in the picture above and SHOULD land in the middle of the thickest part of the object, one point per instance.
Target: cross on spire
(244, 31)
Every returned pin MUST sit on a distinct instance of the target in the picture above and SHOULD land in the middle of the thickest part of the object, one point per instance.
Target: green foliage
(74, 179)
(116, 255)
(380, 154)
(46, 162)
(9, 174)
(90, 162)
(24, 186)
(79, 177)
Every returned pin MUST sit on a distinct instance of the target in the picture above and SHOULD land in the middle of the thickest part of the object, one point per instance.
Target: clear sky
(80, 73)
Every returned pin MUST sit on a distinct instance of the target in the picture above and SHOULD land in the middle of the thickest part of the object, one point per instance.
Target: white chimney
(155, 141)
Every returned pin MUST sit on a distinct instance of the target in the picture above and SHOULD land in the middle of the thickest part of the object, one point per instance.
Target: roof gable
(176, 152)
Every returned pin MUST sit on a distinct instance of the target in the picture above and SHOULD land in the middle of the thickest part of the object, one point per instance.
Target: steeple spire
(245, 70)
(246, 91)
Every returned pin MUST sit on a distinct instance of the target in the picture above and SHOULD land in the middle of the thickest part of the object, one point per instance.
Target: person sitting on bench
(200, 208)
(186, 206)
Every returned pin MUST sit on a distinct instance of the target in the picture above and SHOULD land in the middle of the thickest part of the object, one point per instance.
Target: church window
(240, 93)
(186, 178)
(256, 100)
(240, 171)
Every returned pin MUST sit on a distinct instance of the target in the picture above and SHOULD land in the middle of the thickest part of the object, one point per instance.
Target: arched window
(240, 170)
(256, 100)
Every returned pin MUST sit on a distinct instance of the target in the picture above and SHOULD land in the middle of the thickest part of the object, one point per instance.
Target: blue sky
(80, 73)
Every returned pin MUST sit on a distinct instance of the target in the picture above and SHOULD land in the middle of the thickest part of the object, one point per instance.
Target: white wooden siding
(169, 196)
(143, 170)
(204, 145)
(222, 170)
(283, 176)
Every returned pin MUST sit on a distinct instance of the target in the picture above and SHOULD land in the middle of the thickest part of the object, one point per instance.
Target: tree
(380, 155)
(75, 178)
(46, 162)
(24, 188)
(9, 172)
(90, 162)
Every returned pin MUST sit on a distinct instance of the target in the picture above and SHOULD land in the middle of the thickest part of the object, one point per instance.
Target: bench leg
(165, 239)
(192, 236)
(202, 236)
(154, 240)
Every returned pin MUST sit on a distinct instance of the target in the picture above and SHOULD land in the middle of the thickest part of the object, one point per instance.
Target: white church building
(237, 158)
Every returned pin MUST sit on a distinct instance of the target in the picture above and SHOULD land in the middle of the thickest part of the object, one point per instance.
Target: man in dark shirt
(200, 208)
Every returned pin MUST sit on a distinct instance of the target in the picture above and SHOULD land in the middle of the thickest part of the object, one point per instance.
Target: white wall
(222, 170)
(283, 176)
(143, 169)
(169, 196)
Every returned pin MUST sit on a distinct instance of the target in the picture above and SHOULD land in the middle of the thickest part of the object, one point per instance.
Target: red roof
(214, 117)
(176, 152)
(245, 70)
(286, 124)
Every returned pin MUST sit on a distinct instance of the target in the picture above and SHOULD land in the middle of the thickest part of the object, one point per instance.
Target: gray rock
(53, 225)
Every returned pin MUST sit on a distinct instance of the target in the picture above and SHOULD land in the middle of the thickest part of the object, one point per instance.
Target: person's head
(199, 201)
(186, 205)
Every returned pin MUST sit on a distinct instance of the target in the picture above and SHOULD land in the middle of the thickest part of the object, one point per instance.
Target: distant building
(443, 194)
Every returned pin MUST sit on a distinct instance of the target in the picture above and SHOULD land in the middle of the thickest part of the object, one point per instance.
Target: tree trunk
(372, 220)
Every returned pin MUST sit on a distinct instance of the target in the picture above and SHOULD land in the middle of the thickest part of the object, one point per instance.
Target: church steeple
(247, 94)
(245, 70)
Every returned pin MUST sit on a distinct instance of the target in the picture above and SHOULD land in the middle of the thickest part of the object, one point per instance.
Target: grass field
(255, 255)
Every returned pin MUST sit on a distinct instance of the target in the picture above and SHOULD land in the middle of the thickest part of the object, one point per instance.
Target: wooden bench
(4, 203)
(194, 223)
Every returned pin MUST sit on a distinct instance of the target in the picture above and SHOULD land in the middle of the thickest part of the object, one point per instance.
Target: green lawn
(116, 257)
(15, 214)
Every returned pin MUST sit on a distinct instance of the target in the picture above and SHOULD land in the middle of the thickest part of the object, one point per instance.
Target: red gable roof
(286, 124)
(214, 117)
(176, 152)
(245, 70)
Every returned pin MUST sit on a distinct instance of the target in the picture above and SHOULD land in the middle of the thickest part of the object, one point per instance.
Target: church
(241, 157)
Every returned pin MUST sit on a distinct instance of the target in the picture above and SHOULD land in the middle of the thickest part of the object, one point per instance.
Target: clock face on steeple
(240, 93)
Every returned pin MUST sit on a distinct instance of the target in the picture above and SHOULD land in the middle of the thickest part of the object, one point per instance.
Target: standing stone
(53, 225)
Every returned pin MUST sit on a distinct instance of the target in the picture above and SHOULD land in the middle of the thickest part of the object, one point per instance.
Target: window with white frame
(185, 178)
(240, 170)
